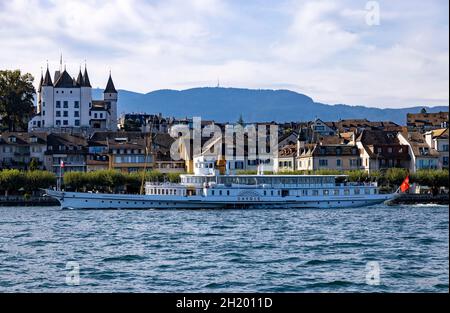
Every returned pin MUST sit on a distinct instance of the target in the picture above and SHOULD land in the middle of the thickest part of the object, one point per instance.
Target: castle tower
(47, 99)
(85, 97)
(39, 103)
(110, 96)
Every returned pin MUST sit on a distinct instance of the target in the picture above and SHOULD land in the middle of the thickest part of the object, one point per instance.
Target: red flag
(62, 163)
(405, 185)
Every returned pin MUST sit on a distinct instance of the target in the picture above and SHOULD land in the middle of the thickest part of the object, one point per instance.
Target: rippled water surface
(229, 251)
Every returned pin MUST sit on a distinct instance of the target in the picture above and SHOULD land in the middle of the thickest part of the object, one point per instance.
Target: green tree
(35, 180)
(395, 176)
(435, 179)
(34, 165)
(75, 180)
(11, 180)
(16, 99)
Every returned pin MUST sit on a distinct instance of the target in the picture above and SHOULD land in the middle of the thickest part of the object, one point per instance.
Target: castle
(66, 102)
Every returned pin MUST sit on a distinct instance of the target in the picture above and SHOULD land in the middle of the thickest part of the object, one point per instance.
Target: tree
(11, 180)
(33, 164)
(16, 99)
(34, 180)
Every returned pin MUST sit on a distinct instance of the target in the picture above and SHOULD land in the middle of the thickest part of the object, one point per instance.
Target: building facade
(424, 121)
(422, 155)
(66, 102)
(438, 140)
(381, 150)
(19, 149)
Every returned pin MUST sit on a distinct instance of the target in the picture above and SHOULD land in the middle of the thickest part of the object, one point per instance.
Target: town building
(438, 140)
(422, 155)
(287, 159)
(66, 102)
(19, 149)
(147, 123)
(331, 152)
(358, 125)
(131, 152)
(425, 121)
(380, 150)
(65, 153)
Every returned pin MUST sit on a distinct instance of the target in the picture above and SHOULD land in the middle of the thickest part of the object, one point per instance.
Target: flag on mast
(405, 184)
(61, 164)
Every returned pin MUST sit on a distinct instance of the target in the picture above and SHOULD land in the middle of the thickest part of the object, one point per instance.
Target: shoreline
(441, 199)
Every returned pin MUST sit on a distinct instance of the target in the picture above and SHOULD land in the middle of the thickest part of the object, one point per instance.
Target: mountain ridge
(226, 104)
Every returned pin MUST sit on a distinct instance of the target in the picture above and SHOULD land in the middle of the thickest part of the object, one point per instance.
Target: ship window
(212, 192)
(346, 192)
(367, 191)
(357, 191)
(336, 192)
(228, 192)
(265, 192)
(326, 192)
(220, 192)
(315, 192)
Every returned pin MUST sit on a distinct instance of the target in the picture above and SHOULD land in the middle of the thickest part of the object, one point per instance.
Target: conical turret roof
(86, 82)
(47, 79)
(110, 86)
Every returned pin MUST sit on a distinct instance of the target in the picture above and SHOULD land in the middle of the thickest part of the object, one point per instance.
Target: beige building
(329, 156)
(287, 159)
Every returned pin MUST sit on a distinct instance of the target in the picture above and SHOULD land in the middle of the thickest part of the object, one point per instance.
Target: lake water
(376, 249)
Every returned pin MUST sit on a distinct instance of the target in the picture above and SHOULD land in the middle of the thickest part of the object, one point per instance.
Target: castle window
(62, 91)
(77, 122)
(43, 104)
(76, 104)
(58, 122)
(58, 104)
(95, 115)
(66, 113)
(71, 91)
(58, 113)
(43, 113)
(65, 122)
(76, 113)
(66, 104)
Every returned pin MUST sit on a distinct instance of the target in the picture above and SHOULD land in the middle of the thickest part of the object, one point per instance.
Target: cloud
(322, 48)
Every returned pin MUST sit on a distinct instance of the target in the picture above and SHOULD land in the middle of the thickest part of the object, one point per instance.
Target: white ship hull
(80, 200)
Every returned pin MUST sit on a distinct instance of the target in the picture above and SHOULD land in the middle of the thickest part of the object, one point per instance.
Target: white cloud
(321, 48)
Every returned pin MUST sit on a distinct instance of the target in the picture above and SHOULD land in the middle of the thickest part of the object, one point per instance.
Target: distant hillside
(226, 104)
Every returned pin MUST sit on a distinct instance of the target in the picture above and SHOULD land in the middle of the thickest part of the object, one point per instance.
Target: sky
(374, 53)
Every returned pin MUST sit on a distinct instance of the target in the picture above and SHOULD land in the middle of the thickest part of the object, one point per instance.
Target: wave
(127, 257)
